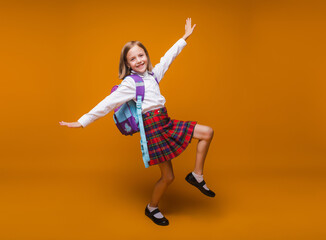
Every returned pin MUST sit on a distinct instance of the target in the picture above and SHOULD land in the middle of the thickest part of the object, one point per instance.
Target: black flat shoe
(159, 221)
(192, 180)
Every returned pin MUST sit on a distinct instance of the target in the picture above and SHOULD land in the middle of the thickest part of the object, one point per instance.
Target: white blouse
(127, 89)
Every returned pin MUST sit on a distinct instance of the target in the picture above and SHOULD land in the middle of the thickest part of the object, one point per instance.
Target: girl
(166, 138)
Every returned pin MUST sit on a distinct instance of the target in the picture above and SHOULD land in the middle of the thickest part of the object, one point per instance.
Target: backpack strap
(151, 73)
(140, 86)
(143, 140)
(140, 93)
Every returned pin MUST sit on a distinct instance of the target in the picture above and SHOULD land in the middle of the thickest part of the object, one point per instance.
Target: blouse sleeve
(125, 92)
(165, 62)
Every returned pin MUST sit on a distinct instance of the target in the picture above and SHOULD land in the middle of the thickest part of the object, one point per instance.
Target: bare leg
(205, 135)
(166, 179)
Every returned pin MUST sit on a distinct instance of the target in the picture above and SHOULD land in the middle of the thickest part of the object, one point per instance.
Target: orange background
(252, 70)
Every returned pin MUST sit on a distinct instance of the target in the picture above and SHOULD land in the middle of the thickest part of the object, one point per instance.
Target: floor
(93, 205)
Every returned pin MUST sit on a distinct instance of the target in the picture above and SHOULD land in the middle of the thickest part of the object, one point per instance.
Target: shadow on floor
(180, 198)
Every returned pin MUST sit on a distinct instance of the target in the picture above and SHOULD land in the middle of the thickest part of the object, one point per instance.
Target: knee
(209, 133)
(168, 179)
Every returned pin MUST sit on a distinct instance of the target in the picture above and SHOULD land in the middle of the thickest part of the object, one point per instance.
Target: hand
(188, 29)
(71, 124)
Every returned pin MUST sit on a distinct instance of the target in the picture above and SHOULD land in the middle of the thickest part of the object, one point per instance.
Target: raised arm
(165, 62)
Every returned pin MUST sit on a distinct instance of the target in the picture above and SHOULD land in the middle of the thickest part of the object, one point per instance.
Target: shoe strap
(155, 211)
(202, 183)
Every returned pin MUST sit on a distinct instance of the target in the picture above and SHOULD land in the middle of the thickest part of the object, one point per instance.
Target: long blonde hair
(124, 70)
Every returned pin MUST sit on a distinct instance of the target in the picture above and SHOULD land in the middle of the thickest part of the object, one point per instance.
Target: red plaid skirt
(166, 138)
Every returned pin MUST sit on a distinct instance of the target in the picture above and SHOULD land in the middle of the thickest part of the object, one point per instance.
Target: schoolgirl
(166, 138)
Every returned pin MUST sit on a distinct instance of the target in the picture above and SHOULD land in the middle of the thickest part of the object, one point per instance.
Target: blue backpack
(128, 117)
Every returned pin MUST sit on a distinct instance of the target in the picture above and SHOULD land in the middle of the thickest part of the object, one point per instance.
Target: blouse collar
(145, 74)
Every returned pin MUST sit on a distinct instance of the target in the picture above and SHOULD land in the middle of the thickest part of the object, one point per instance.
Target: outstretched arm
(188, 29)
(124, 93)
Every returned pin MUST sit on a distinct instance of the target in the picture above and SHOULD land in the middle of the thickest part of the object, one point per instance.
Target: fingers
(62, 123)
(188, 23)
(71, 124)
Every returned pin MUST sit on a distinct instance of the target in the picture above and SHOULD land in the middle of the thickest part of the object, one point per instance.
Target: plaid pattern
(166, 138)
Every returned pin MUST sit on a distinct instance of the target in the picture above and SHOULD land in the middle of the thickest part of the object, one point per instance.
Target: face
(137, 59)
